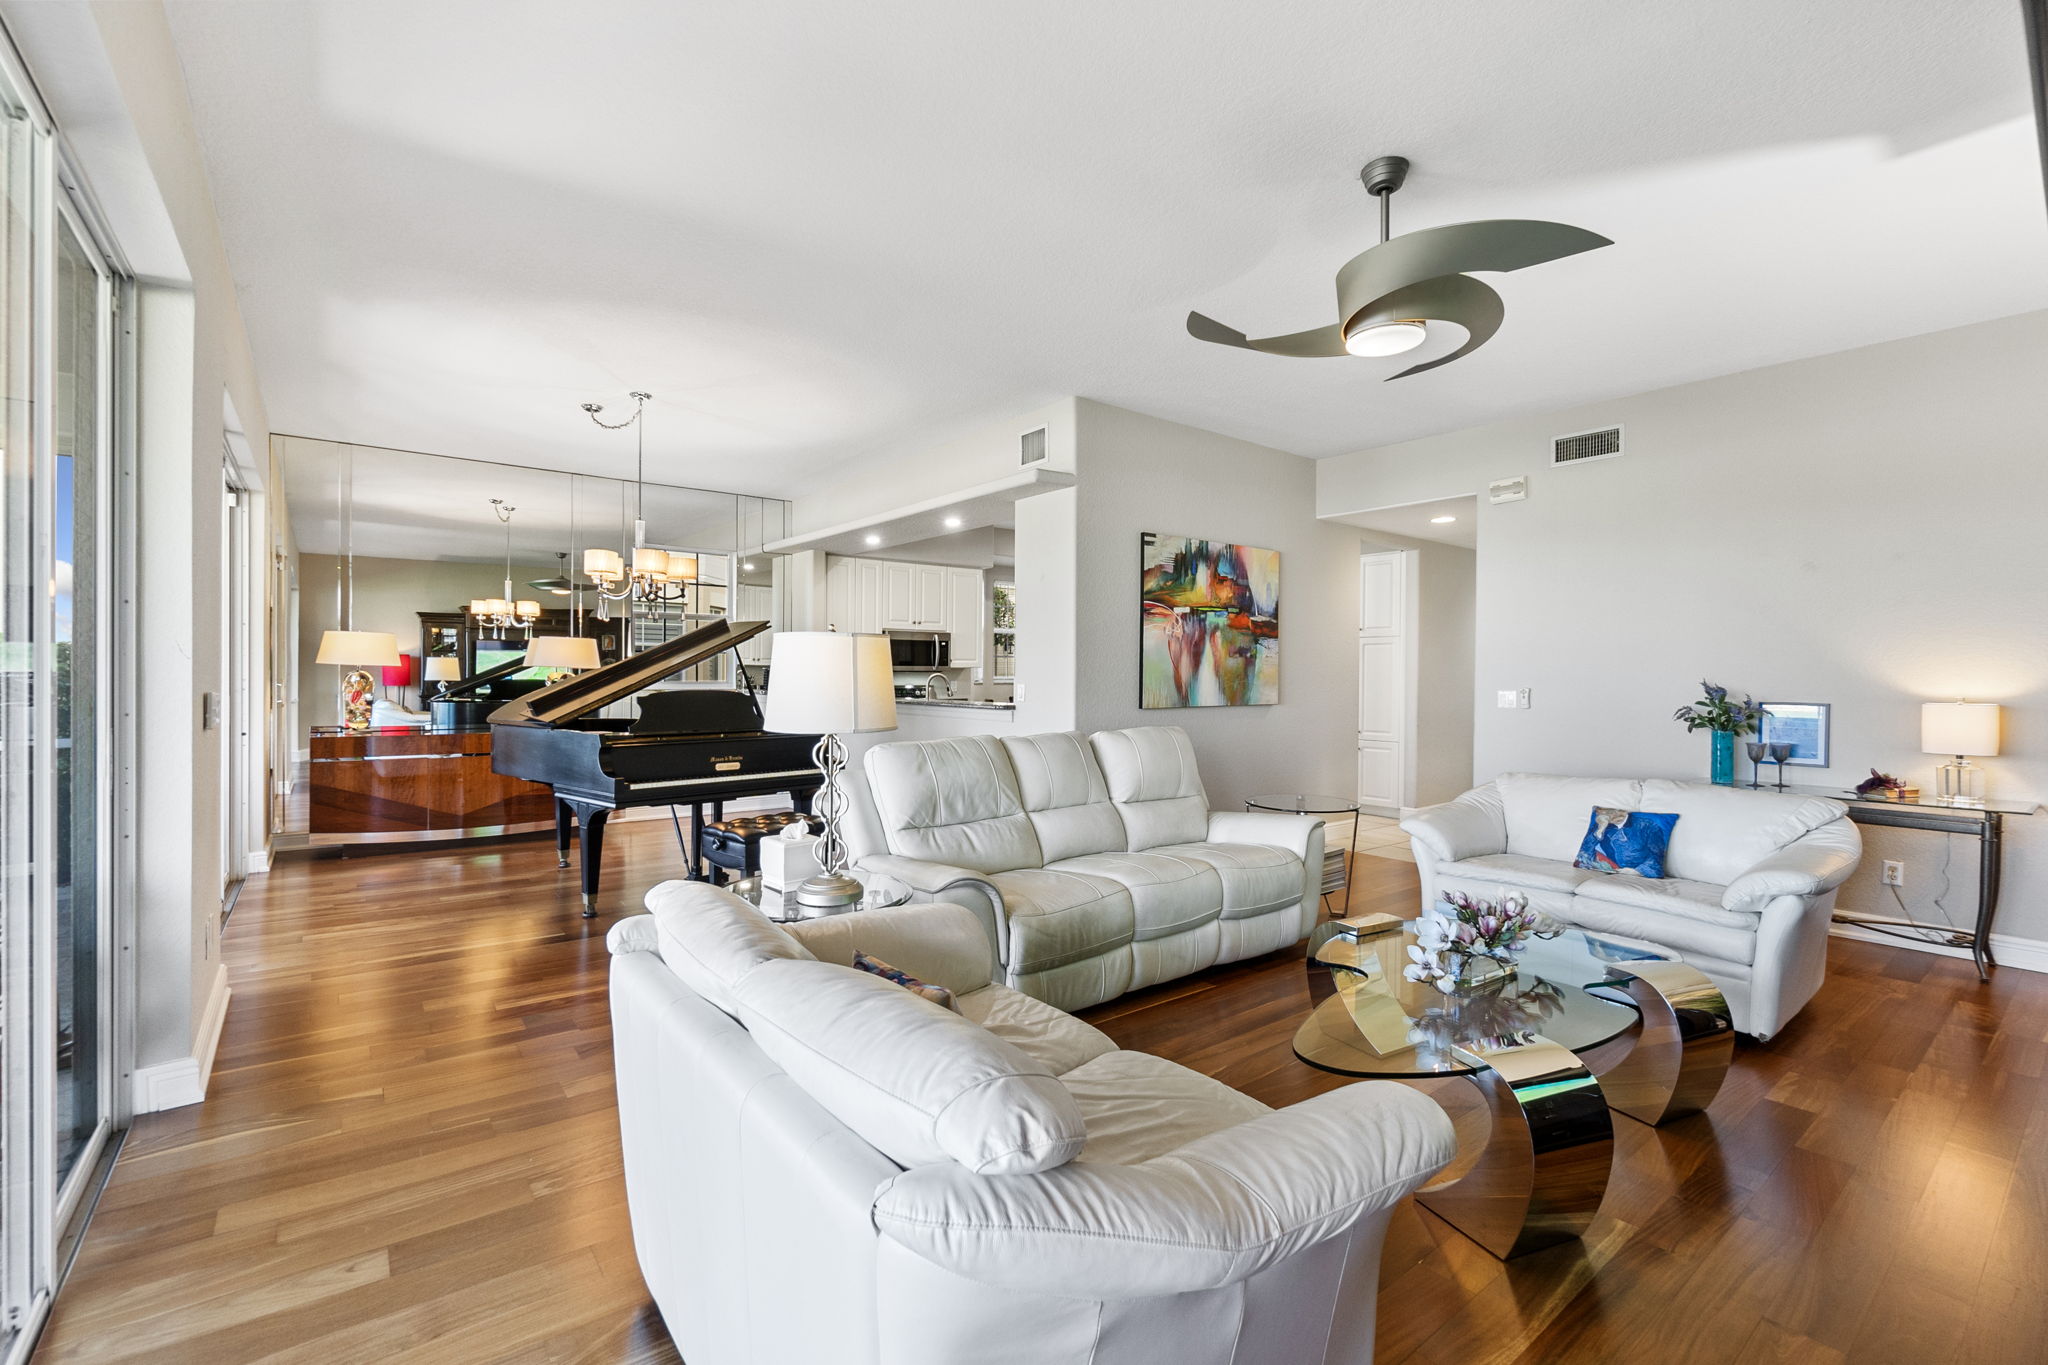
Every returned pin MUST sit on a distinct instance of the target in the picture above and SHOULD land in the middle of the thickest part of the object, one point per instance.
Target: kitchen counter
(958, 703)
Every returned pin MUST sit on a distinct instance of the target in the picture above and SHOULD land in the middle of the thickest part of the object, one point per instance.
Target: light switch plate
(1507, 700)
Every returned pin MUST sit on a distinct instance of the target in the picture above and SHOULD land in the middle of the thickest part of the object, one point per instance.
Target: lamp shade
(682, 568)
(603, 563)
(561, 651)
(443, 668)
(822, 682)
(401, 675)
(358, 648)
(1959, 727)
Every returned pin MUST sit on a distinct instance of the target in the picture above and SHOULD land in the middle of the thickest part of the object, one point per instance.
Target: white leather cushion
(1155, 784)
(1670, 896)
(1065, 795)
(1169, 893)
(1047, 1035)
(1546, 816)
(1723, 832)
(919, 1083)
(1512, 871)
(1139, 1106)
(1681, 934)
(944, 944)
(952, 801)
(1485, 878)
(1257, 878)
(711, 938)
(1055, 918)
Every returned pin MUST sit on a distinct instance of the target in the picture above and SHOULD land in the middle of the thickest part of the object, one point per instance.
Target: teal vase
(1724, 758)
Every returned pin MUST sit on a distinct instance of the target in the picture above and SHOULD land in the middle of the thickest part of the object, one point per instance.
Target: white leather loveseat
(823, 1167)
(1095, 861)
(1750, 876)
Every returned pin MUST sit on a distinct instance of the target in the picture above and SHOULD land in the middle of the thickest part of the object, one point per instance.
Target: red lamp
(399, 674)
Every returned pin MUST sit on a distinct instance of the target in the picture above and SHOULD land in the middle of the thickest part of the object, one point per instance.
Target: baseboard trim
(183, 1080)
(2025, 954)
(256, 862)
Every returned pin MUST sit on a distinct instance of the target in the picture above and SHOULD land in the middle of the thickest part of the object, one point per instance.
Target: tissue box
(786, 863)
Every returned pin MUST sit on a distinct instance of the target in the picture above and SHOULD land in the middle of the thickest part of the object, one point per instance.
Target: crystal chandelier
(502, 613)
(657, 576)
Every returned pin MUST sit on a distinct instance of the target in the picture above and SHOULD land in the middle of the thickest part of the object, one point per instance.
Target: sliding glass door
(56, 705)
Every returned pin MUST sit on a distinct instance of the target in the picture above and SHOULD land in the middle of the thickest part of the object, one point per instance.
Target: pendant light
(502, 613)
(653, 575)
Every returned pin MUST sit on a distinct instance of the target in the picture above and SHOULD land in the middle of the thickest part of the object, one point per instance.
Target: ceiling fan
(1388, 294)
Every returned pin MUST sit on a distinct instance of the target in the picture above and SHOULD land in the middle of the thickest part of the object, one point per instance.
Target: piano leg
(564, 818)
(591, 821)
(693, 864)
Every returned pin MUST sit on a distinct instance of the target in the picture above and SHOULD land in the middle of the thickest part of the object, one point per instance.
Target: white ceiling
(816, 229)
(1418, 521)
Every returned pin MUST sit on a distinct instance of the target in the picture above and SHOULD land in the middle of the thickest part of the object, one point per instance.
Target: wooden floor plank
(410, 1153)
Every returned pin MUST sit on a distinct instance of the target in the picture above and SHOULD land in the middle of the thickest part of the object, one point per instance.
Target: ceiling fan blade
(1440, 252)
(1447, 298)
(1322, 341)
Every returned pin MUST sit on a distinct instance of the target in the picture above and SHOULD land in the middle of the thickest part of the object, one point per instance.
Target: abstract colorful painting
(1211, 624)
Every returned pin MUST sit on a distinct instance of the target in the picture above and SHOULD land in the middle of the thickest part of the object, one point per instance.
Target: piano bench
(736, 843)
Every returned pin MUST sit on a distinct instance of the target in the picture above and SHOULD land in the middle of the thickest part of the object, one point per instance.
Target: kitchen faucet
(944, 683)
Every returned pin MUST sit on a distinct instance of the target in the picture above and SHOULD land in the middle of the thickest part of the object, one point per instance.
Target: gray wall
(1140, 473)
(1863, 529)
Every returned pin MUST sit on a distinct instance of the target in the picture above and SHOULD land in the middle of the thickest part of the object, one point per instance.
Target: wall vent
(1033, 446)
(1581, 446)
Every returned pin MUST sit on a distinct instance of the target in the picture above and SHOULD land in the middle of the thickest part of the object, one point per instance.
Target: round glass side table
(1308, 803)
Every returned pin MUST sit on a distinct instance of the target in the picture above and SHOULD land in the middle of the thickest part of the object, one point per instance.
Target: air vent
(1582, 446)
(1033, 443)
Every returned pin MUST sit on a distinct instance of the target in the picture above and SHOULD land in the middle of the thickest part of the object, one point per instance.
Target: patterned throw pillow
(1628, 842)
(938, 995)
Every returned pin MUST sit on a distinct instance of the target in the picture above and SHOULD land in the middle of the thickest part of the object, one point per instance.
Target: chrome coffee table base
(1540, 1178)
(1687, 1041)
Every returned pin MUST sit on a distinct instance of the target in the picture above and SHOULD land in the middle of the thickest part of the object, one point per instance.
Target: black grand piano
(470, 700)
(689, 746)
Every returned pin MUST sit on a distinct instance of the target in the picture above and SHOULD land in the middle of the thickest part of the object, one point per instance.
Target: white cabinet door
(1384, 711)
(931, 597)
(756, 602)
(867, 596)
(963, 616)
(899, 597)
(841, 587)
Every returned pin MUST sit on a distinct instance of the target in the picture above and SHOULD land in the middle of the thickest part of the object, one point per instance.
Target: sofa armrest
(936, 942)
(1215, 1211)
(1472, 826)
(954, 886)
(1811, 865)
(1271, 828)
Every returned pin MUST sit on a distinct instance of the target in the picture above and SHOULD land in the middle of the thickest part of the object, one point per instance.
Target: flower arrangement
(1447, 944)
(1716, 710)
(1501, 1016)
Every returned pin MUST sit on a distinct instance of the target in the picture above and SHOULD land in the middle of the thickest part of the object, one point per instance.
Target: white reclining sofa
(1095, 861)
(1750, 876)
(823, 1167)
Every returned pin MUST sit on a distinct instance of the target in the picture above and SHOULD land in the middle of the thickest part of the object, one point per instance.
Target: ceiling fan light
(1386, 338)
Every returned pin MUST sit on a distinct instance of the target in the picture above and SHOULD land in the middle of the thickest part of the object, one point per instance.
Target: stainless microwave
(920, 651)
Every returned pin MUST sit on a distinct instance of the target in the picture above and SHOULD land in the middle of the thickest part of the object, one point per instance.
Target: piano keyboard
(722, 779)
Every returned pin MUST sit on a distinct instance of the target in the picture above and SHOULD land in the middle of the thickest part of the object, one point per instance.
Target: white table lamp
(357, 650)
(830, 684)
(1964, 729)
(562, 651)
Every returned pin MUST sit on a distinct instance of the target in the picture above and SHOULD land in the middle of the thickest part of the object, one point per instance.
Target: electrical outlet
(1894, 873)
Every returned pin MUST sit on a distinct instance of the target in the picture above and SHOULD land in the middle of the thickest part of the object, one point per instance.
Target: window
(1003, 617)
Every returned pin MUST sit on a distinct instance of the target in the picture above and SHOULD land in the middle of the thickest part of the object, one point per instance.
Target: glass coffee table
(1587, 1024)
(879, 891)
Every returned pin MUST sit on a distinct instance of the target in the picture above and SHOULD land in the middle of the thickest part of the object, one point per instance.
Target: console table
(1985, 822)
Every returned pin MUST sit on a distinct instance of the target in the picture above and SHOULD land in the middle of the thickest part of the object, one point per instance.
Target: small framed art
(1802, 724)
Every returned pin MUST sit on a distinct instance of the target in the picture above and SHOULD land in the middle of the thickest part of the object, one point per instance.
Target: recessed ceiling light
(874, 540)
(952, 523)
(747, 564)
(1438, 521)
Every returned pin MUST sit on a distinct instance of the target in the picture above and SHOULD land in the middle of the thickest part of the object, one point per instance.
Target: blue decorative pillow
(938, 995)
(1628, 842)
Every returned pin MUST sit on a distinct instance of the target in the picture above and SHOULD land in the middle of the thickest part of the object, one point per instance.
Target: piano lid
(462, 687)
(574, 698)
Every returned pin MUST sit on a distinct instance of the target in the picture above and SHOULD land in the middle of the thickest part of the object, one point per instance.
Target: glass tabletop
(879, 891)
(1297, 803)
(1930, 803)
(1374, 1022)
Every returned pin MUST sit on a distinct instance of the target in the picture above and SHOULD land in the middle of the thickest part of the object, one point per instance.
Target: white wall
(1863, 529)
(1140, 473)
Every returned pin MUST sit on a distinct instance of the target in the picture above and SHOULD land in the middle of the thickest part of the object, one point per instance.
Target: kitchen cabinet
(899, 596)
(756, 602)
(963, 616)
(867, 596)
(931, 598)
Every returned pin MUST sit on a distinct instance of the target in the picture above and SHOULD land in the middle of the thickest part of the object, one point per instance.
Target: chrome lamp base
(831, 889)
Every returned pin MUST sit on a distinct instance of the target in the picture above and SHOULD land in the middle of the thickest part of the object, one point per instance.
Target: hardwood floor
(410, 1154)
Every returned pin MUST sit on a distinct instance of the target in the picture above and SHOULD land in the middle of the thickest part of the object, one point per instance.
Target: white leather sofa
(822, 1167)
(1095, 861)
(1750, 876)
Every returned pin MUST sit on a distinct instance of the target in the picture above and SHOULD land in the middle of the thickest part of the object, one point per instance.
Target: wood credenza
(414, 781)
